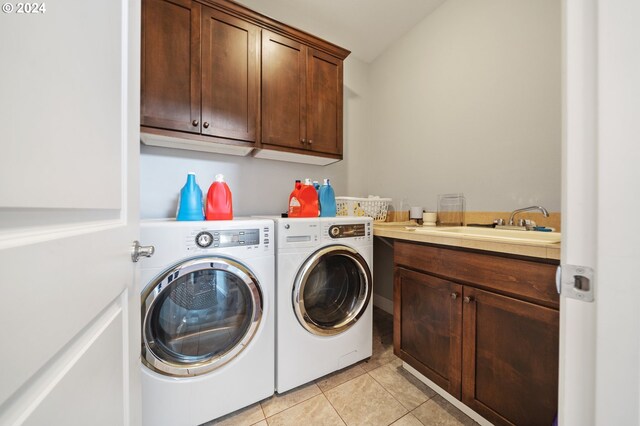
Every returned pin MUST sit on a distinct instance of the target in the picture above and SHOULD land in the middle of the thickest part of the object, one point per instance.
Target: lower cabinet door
(428, 327)
(510, 359)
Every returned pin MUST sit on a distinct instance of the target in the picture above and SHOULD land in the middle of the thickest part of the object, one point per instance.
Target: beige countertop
(398, 230)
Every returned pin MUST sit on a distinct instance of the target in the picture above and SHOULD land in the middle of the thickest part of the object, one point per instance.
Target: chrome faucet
(544, 212)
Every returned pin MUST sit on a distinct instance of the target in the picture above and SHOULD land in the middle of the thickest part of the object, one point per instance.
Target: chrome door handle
(138, 251)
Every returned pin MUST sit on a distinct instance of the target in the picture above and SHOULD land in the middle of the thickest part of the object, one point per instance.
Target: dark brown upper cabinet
(301, 98)
(170, 74)
(219, 77)
(230, 76)
(200, 75)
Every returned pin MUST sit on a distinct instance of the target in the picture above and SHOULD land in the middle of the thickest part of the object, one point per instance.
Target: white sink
(514, 236)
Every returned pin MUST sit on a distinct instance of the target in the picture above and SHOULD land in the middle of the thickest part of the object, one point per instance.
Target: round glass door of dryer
(199, 315)
(332, 290)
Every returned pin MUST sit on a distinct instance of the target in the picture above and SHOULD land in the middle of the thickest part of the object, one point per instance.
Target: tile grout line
(291, 406)
(322, 392)
(264, 416)
(395, 399)
(331, 403)
(409, 411)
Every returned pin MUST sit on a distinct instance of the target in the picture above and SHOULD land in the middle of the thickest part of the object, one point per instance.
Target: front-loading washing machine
(324, 312)
(207, 319)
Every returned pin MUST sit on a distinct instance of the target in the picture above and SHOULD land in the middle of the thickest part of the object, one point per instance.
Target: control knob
(204, 239)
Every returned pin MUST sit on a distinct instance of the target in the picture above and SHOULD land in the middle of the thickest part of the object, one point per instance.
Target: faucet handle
(498, 222)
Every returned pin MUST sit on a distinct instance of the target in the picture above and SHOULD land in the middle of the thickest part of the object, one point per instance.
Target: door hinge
(576, 282)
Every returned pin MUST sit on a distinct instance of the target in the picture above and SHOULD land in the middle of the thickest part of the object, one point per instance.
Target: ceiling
(365, 27)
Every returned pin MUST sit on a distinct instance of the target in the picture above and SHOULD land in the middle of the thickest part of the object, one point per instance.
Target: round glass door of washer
(198, 315)
(332, 290)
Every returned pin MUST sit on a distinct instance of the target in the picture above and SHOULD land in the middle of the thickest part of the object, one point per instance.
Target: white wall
(469, 101)
(259, 186)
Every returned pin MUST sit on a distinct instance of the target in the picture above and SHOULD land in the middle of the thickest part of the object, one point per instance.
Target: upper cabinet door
(324, 100)
(230, 76)
(283, 91)
(170, 80)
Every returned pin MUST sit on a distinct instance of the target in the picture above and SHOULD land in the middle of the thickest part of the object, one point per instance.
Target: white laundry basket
(374, 207)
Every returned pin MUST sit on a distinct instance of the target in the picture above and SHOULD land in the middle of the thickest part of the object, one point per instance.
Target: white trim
(383, 303)
(455, 402)
(166, 141)
(576, 386)
(269, 154)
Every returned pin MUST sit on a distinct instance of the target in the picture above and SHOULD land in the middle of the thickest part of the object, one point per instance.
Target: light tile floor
(374, 392)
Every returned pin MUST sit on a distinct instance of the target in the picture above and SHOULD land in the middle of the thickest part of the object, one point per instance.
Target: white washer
(207, 319)
(324, 290)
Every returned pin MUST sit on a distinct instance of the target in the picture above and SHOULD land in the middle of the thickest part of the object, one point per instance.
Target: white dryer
(207, 319)
(324, 290)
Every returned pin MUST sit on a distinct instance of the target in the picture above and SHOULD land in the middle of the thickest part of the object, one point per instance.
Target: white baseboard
(455, 402)
(383, 303)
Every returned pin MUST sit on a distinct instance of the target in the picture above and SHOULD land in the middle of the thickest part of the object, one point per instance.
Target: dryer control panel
(347, 231)
(228, 238)
(357, 231)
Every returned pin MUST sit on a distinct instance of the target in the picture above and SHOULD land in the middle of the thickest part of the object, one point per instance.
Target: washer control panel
(348, 230)
(230, 238)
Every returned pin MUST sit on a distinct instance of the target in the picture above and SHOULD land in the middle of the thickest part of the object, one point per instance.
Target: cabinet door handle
(303, 141)
(468, 299)
(310, 141)
(195, 123)
(205, 125)
(454, 296)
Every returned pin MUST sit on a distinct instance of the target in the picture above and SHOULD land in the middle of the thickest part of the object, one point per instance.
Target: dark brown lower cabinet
(509, 359)
(494, 351)
(430, 334)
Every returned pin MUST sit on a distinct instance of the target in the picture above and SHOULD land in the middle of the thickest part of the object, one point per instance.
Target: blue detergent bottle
(327, 198)
(190, 205)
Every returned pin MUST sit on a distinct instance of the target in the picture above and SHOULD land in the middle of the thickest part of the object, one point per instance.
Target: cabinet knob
(310, 141)
(468, 299)
(205, 125)
(303, 141)
(195, 123)
(454, 296)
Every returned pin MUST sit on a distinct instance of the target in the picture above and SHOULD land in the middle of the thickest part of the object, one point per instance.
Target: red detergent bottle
(219, 203)
(308, 200)
(294, 201)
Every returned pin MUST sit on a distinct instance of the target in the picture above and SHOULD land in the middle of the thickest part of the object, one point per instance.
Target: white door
(600, 341)
(69, 146)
